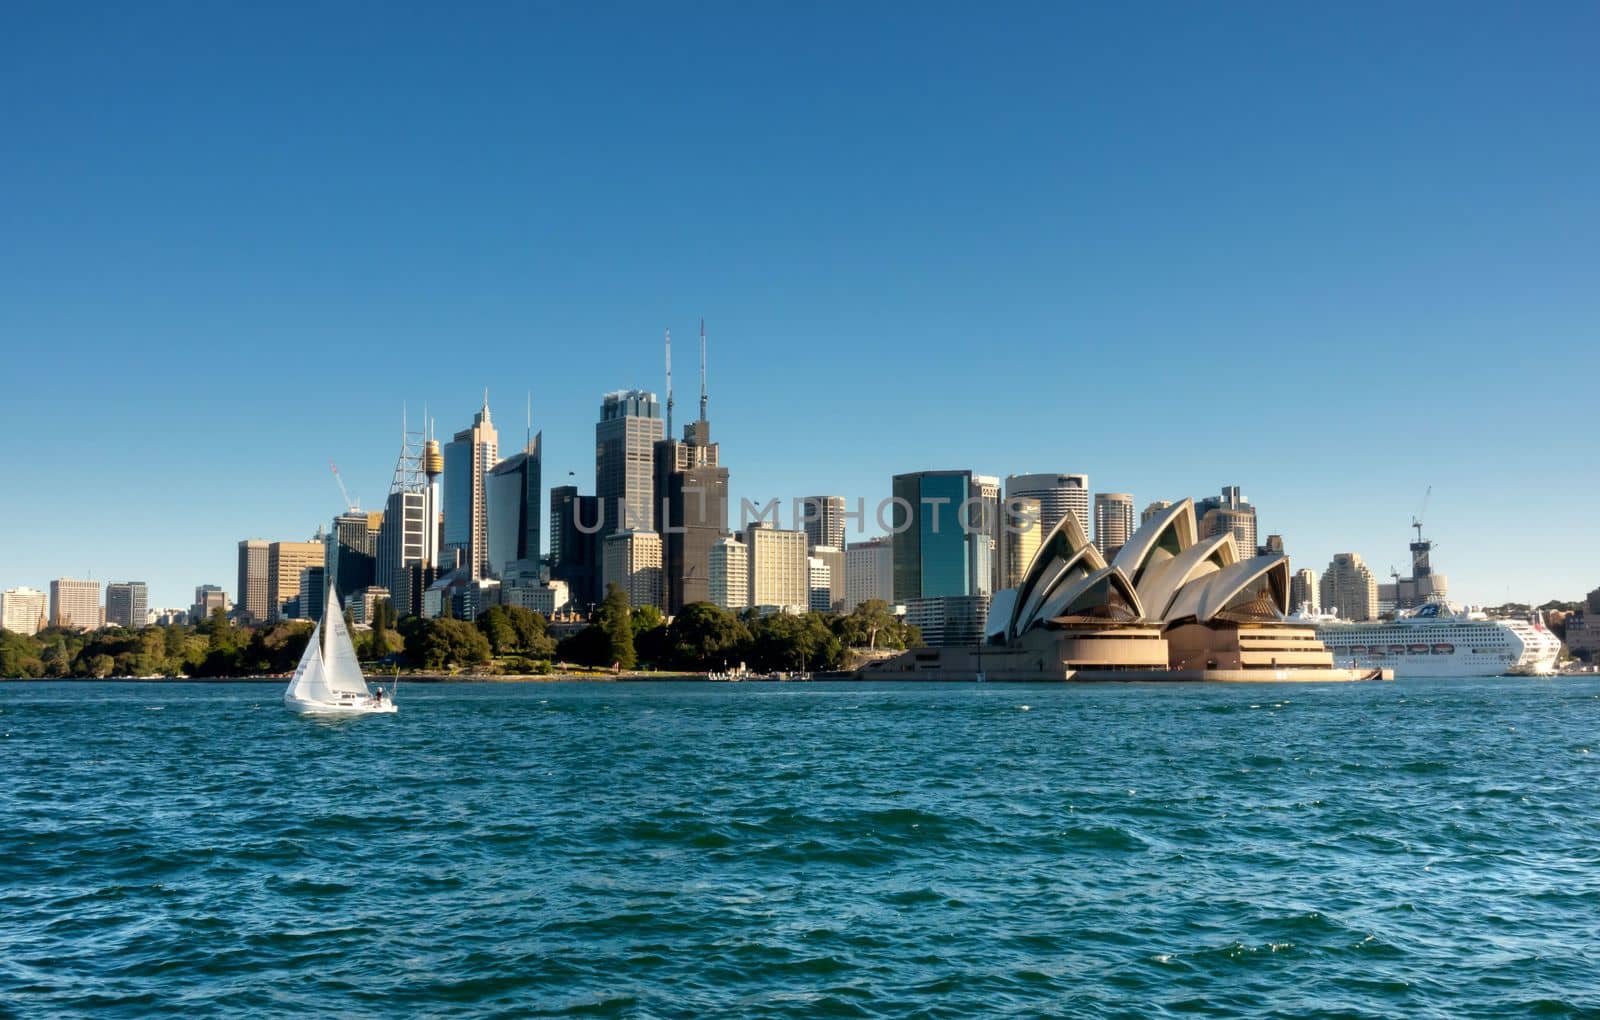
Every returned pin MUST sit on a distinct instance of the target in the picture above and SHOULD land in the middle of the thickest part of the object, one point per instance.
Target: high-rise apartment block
(75, 604)
(127, 604)
(1023, 532)
(778, 573)
(255, 581)
(869, 572)
(1349, 588)
(1113, 521)
(1229, 512)
(22, 610)
(1305, 595)
(633, 563)
(822, 519)
(285, 561)
(1058, 495)
(730, 574)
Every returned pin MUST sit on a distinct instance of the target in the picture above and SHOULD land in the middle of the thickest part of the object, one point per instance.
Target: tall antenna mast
(669, 384)
(702, 368)
(528, 439)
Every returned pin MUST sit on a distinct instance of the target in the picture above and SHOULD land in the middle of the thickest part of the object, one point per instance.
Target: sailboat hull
(353, 706)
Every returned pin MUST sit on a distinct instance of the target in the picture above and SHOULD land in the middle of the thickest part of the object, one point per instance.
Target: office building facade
(127, 604)
(1113, 522)
(1349, 588)
(575, 545)
(516, 515)
(255, 582)
(468, 459)
(869, 572)
(633, 563)
(625, 437)
(23, 610)
(75, 604)
(1058, 495)
(285, 561)
(778, 574)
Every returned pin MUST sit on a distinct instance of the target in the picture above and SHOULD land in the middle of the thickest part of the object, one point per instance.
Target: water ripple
(1419, 848)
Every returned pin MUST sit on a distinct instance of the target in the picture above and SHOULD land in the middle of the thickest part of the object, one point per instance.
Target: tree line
(510, 639)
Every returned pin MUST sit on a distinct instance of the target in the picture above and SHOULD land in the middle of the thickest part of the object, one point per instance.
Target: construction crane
(351, 504)
(1416, 519)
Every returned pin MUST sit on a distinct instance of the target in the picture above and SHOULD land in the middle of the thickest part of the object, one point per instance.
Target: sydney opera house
(1170, 606)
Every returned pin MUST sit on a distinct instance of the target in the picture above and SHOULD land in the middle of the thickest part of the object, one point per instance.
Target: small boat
(328, 680)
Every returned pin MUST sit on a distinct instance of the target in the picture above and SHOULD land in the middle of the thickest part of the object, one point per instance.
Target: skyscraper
(468, 459)
(1304, 593)
(1154, 508)
(690, 502)
(869, 572)
(1349, 588)
(1023, 533)
(633, 563)
(730, 574)
(778, 573)
(942, 552)
(822, 518)
(988, 540)
(516, 490)
(22, 610)
(1113, 521)
(75, 604)
(255, 582)
(312, 593)
(819, 584)
(285, 560)
(575, 544)
(351, 554)
(1229, 512)
(207, 598)
(127, 604)
(624, 459)
(1058, 494)
(408, 544)
(833, 559)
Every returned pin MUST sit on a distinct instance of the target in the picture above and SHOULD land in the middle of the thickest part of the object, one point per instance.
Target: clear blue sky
(1331, 255)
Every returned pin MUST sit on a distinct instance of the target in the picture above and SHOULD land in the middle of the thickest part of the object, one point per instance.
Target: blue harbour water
(1421, 848)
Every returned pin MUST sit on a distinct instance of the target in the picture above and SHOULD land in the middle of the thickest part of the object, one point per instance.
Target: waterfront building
(950, 619)
(1153, 510)
(869, 572)
(819, 585)
(633, 563)
(987, 521)
(778, 575)
(690, 502)
(285, 561)
(834, 560)
(822, 519)
(22, 610)
(75, 604)
(934, 554)
(942, 549)
(515, 494)
(1022, 533)
(363, 604)
(351, 552)
(1170, 606)
(730, 574)
(313, 594)
(127, 604)
(624, 461)
(575, 544)
(408, 544)
(1305, 595)
(207, 599)
(468, 459)
(1113, 522)
(1229, 512)
(1349, 588)
(1058, 495)
(255, 582)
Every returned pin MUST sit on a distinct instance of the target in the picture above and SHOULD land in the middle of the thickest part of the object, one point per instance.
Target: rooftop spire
(669, 383)
(702, 368)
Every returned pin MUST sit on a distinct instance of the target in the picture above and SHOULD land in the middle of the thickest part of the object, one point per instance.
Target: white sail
(310, 682)
(341, 667)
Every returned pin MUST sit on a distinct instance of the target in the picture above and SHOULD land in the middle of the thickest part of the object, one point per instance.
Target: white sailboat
(328, 680)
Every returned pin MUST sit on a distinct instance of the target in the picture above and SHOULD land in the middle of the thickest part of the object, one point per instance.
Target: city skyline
(1377, 266)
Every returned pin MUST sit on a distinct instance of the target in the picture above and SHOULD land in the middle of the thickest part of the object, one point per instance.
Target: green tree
(444, 643)
(617, 621)
(19, 656)
(706, 636)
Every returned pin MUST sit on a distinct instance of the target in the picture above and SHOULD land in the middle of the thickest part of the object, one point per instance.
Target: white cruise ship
(1439, 639)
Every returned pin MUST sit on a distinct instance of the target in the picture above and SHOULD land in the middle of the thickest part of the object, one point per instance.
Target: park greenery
(503, 639)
